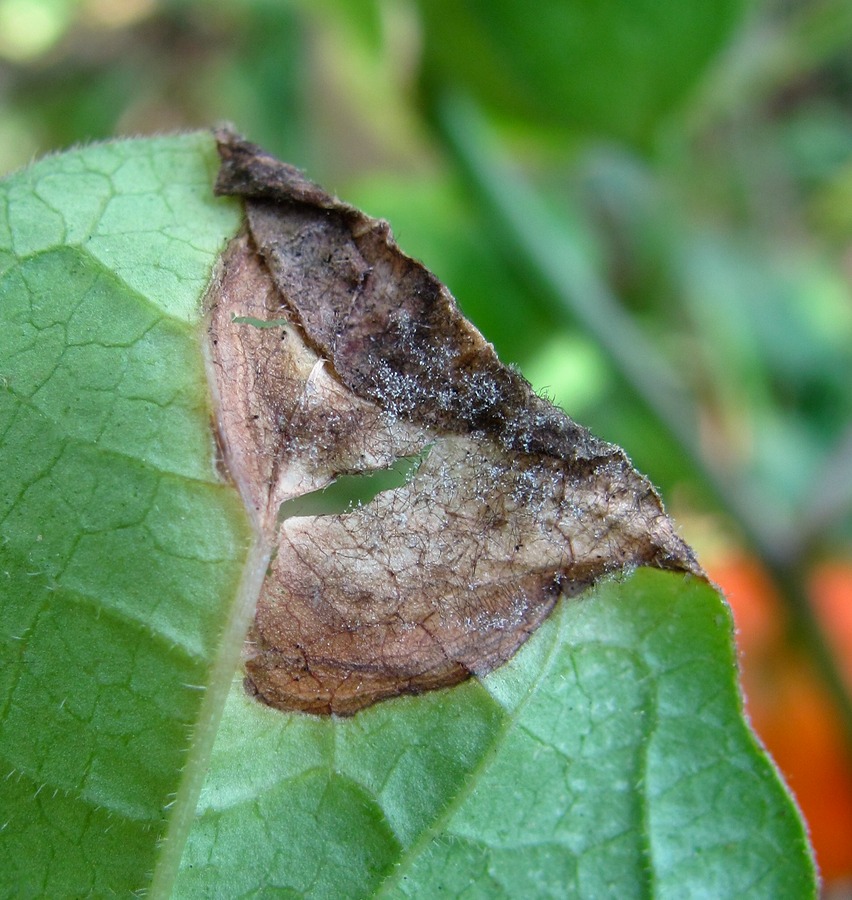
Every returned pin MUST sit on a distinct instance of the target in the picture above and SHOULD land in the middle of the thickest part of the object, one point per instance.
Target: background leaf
(613, 68)
(608, 758)
(120, 547)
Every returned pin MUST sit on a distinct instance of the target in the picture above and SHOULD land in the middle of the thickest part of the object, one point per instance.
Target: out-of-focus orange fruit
(831, 594)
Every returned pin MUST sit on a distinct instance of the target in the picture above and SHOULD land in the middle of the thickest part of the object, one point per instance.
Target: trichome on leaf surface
(333, 353)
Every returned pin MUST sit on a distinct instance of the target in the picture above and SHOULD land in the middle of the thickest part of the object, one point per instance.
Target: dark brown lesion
(446, 576)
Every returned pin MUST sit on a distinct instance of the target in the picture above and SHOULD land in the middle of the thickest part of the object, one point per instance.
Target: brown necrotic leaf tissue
(335, 354)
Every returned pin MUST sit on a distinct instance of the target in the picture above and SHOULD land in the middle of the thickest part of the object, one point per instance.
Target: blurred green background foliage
(645, 205)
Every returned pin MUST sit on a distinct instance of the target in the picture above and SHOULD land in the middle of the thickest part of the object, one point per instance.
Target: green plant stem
(536, 239)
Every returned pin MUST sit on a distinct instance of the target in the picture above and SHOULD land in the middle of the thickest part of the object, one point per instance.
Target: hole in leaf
(347, 492)
(260, 323)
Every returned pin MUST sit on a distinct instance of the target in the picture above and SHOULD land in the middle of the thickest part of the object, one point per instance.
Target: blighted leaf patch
(334, 353)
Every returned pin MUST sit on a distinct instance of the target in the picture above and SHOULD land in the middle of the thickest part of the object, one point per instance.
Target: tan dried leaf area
(333, 353)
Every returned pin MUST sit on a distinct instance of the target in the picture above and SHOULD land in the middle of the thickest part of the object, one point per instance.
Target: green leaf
(614, 68)
(608, 758)
(120, 547)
